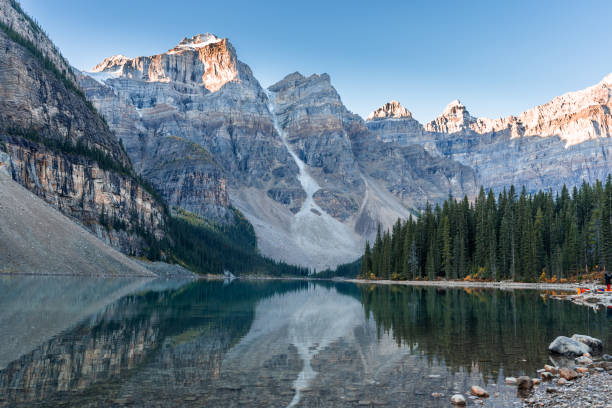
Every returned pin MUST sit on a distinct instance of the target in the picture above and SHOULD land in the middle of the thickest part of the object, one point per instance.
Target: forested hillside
(512, 236)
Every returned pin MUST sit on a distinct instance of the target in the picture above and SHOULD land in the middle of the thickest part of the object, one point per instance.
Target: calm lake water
(97, 343)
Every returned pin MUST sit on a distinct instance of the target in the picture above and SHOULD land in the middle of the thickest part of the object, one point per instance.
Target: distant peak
(390, 110)
(607, 80)
(196, 42)
(453, 107)
(111, 62)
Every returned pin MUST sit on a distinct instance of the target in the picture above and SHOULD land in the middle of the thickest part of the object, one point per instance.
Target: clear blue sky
(498, 57)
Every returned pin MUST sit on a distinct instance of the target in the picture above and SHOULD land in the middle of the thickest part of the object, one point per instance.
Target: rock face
(561, 142)
(37, 239)
(568, 347)
(59, 147)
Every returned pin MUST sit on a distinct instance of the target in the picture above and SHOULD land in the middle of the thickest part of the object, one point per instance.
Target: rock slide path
(312, 227)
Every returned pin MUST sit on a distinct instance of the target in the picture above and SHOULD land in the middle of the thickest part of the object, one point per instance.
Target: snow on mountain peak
(390, 110)
(111, 62)
(453, 107)
(607, 80)
(195, 42)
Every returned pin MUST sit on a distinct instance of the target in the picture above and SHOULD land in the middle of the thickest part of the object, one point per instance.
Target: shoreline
(570, 287)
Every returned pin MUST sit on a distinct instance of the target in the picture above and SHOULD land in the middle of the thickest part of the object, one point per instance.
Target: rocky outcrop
(60, 148)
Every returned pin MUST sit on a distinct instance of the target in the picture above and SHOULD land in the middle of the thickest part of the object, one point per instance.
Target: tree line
(526, 237)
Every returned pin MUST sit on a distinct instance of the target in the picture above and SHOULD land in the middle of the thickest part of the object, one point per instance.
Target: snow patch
(196, 42)
(103, 76)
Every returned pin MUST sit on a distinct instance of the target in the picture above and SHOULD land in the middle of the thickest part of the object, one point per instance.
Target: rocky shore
(578, 378)
(591, 389)
(592, 299)
(581, 376)
(570, 287)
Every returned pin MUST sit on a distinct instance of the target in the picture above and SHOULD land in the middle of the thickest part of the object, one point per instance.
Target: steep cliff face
(81, 189)
(564, 141)
(59, 147)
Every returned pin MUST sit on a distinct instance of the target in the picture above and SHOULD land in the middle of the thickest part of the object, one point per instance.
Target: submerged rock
(458, 400)
(568, 347)
(479, 391)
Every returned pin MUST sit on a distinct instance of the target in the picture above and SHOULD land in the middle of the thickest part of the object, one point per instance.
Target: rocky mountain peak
(454, 108)
(110, 63)
(390, 110)
(607, 80)
(454, 119)
(196, 42)
(203, 60)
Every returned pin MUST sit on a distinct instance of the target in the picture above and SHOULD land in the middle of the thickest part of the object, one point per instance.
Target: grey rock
(582, 360)
(567, 347)
(594, 344)
(458, 400)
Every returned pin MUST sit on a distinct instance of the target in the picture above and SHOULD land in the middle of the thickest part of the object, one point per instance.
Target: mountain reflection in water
(285, 343)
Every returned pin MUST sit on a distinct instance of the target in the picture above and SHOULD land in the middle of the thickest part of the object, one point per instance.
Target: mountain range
(194, 125)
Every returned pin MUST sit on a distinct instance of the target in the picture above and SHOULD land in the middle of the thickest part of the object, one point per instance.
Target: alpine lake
(85, 342)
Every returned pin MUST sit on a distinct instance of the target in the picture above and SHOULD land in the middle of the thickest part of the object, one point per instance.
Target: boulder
(510, 380)
(606, 357)
(479, 391)
(594, 344)
(568, 347)
(536, 381)
(524, 383)
(568, 374)
(458, 399)
(562, 381)
(582, 370)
